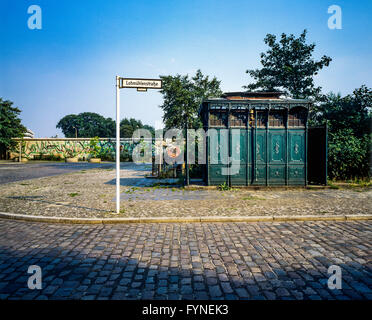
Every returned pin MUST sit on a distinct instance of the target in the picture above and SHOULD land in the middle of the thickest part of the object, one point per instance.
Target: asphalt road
(10, 172)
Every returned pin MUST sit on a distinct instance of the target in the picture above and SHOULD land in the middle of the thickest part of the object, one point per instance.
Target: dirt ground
(91, 193)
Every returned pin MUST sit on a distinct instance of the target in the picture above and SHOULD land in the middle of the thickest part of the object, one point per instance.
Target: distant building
(29, 134)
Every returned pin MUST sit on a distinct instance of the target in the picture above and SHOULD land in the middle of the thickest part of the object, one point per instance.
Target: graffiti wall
(59, 148)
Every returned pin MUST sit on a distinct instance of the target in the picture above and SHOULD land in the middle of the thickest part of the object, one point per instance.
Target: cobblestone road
(186, 261)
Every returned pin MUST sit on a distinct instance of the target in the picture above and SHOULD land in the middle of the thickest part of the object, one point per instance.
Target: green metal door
(218, 151)
(277, 157)
(260, 157)
(297, 158)
(239, 157)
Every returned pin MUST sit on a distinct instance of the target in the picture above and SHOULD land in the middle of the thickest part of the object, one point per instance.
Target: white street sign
(140, 83)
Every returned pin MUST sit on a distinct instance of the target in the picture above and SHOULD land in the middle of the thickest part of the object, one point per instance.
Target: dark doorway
(317, 155)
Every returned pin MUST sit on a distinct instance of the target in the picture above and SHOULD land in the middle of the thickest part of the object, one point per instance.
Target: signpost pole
(117, 145)
(141, 85)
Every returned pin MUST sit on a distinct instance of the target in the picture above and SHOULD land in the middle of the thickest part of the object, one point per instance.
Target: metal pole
(20, 151)
(117, 146)
(187, 156)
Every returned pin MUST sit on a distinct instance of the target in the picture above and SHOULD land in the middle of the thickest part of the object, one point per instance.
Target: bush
(348, 155)
(95, 148)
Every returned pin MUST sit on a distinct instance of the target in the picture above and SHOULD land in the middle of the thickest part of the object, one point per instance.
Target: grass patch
(131, 190)
(223, 187)
(73, 194)
(333, 186)
(164, 184)
(350, 184)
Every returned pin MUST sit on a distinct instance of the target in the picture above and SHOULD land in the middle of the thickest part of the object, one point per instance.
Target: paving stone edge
(24, 217)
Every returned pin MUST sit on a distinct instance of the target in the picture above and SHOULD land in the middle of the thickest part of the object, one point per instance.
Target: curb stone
(24, 217)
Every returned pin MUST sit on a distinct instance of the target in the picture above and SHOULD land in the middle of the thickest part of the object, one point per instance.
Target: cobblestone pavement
(90, 193)
(186, 261)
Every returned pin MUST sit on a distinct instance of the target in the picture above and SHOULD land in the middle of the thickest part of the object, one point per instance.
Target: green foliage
(128, 126)
(223, 187)
(183, 96)
(10, 126)
(352, 111)
(95, 148)
(288, 66)
(349, 121)
(348, 155)
(73, 194)
(89, 125)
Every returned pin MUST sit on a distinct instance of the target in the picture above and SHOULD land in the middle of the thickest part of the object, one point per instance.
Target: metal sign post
(141, 85)
(117, 145)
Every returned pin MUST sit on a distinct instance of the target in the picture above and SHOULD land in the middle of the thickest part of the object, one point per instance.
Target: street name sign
(140, 83)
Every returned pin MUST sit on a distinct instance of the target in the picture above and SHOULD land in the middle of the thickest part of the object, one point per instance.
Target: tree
(10, 126)
(288, 66)
(349, 121)
(88, 125)
(128, 126)
(183, 96)
(352, 111)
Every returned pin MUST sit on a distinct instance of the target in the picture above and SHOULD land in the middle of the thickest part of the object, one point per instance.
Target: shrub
(348, 155)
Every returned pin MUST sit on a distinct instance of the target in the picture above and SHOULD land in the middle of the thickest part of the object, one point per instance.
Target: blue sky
(70, 64)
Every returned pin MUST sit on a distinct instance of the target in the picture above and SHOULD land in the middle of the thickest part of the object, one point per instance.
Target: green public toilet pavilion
(259, 138)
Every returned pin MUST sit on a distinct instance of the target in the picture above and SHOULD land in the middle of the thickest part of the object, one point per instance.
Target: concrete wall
(47, 148)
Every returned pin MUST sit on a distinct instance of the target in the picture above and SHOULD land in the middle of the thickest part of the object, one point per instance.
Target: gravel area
(91, 193)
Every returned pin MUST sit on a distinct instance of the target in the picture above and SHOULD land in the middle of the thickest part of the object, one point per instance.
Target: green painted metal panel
(260, 146)
(277, 157)
(297, 157)
(297, 174)
(217, 174)
(239, 156)
(277, 174)
(296, 146)
(218, 146)
(277, 146)
(257, 157)
(259, 175)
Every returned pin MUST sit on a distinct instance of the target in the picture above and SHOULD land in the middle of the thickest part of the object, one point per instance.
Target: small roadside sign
(140, 83)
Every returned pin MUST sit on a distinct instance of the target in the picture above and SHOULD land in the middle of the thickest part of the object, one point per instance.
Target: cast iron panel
(297, 146)
(277, 146)
(277, 174)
